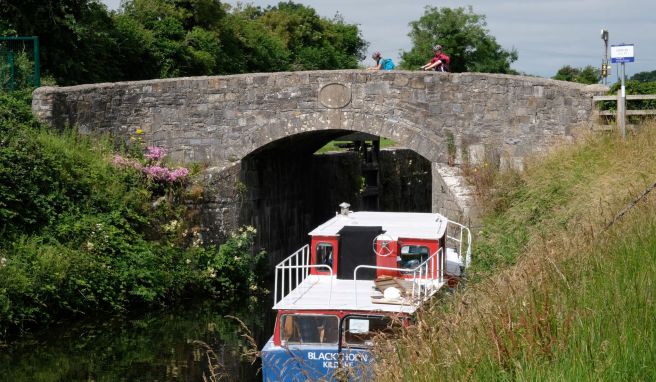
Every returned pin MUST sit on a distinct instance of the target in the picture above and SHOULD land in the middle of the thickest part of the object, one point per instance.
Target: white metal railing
(423, 279)
(459, 242)
(293, 271)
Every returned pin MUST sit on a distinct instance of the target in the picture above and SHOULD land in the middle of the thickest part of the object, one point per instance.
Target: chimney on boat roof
(344, 208)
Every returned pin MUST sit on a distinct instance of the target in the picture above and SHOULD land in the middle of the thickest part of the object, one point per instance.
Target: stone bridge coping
(592, 89)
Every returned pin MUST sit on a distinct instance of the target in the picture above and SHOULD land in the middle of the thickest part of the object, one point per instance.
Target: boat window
(361, 330)
(412, 255)
(308, 329)
(325, 255)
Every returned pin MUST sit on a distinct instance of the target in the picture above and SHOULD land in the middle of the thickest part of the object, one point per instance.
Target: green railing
(19, 62)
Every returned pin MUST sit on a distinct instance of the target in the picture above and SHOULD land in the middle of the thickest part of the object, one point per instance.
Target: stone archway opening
(288, 188)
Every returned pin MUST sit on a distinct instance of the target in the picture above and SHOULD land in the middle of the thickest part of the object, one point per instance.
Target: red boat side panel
(387, 258)
(318, 241)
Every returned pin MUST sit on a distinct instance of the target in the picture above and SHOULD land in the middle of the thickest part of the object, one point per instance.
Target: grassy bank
(554, 294)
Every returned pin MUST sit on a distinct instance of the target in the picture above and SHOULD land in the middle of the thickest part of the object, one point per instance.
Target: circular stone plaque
(335, 96)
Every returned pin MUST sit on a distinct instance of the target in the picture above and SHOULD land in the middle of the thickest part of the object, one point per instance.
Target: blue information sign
(622, 59)
(621, 53)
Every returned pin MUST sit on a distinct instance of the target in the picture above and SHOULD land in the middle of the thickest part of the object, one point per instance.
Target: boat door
(356, 248)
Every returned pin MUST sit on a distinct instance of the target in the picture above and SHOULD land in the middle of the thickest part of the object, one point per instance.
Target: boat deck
(321, 292)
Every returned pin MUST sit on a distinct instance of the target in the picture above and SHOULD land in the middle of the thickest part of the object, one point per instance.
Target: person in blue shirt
(381, 63)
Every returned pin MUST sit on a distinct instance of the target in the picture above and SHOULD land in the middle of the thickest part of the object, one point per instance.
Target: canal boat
(363, 274)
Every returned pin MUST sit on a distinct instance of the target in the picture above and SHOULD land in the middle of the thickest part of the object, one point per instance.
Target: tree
(464, 37)
(77, 39)
(82, 42)
(314, 42)
(248, 46)
(586, 75)
(645, 76)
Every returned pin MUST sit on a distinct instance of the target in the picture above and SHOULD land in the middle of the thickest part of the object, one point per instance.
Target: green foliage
(586, 75)
(338, 145)
(314, 42)
(465, 39)
(632, 87)
(84, 43)
(637, 87)
(645, 76)
(80, 235)
(77, 38)
(16, 68)
(248, 46)
(230, 270)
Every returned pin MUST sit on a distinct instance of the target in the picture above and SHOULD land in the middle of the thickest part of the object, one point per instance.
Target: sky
(547, 34)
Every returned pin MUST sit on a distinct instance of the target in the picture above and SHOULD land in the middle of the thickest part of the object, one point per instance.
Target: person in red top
(440, 62)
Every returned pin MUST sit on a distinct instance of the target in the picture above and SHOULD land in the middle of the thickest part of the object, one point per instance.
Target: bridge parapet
(222, 119)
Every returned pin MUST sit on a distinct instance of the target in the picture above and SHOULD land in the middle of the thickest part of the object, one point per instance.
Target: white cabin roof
(319, 292)
(395, 224)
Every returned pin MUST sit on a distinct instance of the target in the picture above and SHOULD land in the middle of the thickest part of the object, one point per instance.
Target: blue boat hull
(296, 363)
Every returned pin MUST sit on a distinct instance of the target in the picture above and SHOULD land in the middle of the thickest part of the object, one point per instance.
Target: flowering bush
(155, 153)
(153, 169)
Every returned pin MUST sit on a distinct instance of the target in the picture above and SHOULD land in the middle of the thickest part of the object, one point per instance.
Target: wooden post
(621, 106)
(620, 118)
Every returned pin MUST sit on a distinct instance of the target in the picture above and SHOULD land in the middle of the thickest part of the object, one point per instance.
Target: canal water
(157, 346)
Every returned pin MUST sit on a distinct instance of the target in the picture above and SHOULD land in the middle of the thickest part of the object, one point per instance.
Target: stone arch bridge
(222, 120)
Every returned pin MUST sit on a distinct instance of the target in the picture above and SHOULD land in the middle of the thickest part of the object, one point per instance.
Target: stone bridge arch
(221, 120)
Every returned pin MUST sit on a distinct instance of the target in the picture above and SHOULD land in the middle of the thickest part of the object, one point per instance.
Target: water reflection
(154, 347)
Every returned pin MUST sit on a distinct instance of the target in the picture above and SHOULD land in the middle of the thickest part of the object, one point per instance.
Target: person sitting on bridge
(381, 63)
(440, 62)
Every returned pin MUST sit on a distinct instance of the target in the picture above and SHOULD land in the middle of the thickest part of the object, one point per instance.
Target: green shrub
(81, 235)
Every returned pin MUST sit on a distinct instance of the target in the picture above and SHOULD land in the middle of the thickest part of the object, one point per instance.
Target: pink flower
(155, 153)
(178, 173)
(120, 161)
(164, 174)
(156, 172)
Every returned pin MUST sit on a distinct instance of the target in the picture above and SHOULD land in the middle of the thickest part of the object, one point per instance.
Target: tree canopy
(586, 75)
(465, 39)
(83, 42)
(645, 76)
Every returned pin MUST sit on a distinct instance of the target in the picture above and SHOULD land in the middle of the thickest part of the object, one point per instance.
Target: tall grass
(555, 296)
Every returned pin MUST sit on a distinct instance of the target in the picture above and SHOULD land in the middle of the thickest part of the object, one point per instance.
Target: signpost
(604, 61)
(620, 54)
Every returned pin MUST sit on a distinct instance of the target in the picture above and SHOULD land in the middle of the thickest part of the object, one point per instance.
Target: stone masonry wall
(220, 120)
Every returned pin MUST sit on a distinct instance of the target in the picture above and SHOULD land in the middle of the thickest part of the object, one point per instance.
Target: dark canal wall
(284, 196)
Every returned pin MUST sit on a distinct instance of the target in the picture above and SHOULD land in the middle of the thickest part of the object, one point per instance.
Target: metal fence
(19, 63)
